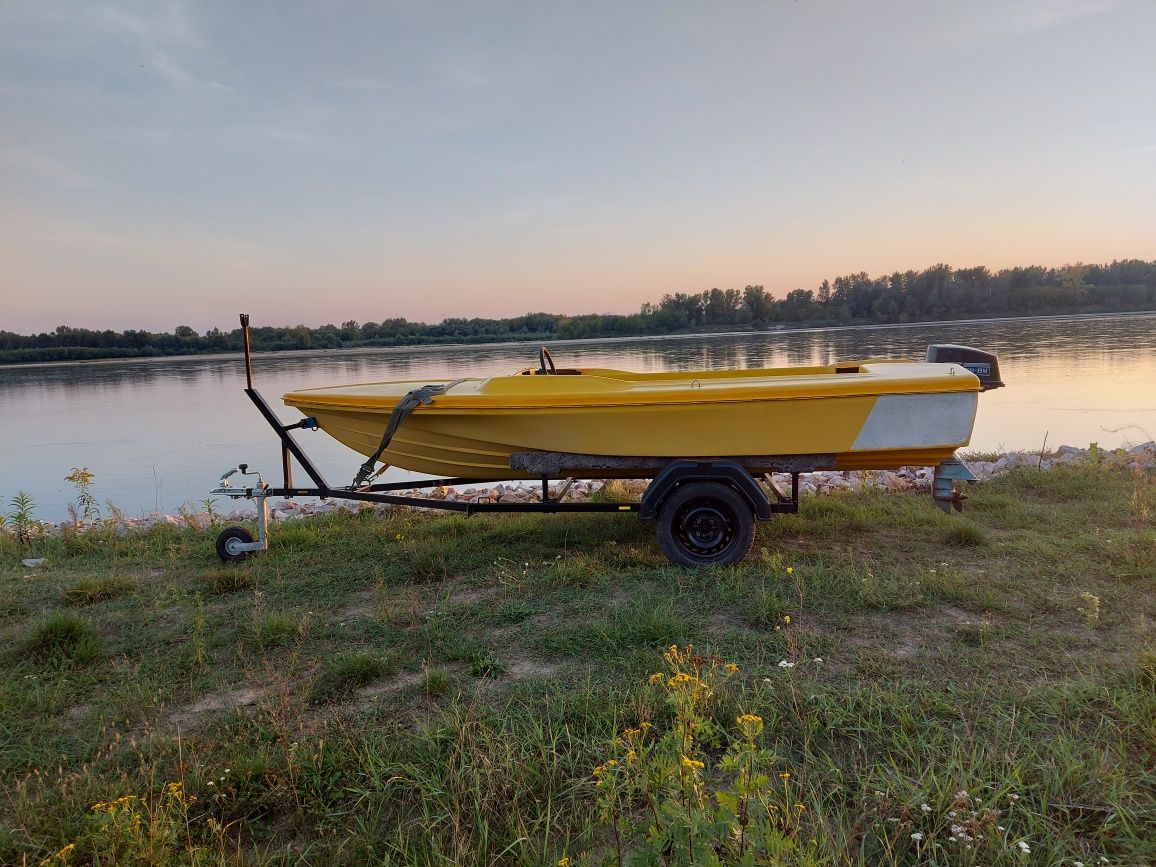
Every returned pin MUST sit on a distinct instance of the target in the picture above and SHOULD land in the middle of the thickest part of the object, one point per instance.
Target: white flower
(917, 836)
(819, 660)
(1024, 847)
(786, 663)
(925, 808)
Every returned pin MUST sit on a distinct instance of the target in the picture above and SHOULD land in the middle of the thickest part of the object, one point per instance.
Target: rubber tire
(228, 535)
(719, 510)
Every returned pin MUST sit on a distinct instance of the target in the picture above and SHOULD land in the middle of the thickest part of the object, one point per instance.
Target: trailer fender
(727, 472)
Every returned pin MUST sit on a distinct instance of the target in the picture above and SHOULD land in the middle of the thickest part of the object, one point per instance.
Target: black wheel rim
(705, 528)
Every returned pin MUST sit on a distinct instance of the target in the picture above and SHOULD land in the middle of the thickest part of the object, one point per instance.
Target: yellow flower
(631, 755)
(790, 570)
(751, 724)
(731, 668)
(786, 618)
(695, 764)
(63, 855)
(785, 775)
(657, 677)
(563, 862)
(631, 733)
(680, 678)
(800, 807)
(645, 725)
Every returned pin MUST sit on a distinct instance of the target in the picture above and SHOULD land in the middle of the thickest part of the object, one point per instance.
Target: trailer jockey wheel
(705, 524)
(228, 541)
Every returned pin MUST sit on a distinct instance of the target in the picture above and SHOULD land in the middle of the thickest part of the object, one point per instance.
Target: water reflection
(156, 432)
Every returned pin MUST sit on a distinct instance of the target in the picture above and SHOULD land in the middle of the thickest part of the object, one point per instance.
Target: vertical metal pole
(545, 489)
(287, 466)
(248, 351)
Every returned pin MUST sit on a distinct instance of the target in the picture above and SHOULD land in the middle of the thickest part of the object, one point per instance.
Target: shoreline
(801, 328)
(1139, 458)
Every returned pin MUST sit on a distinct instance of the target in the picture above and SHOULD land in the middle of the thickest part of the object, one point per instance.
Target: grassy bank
(433, 690)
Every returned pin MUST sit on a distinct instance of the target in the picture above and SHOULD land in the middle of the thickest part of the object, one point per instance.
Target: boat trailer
(704, 508)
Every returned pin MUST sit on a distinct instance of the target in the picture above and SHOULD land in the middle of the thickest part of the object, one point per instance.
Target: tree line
(939, 292)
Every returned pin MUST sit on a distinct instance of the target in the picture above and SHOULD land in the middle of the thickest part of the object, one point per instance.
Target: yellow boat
(873, 414)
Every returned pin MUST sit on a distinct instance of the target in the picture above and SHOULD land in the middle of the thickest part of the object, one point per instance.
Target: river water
(158, 433)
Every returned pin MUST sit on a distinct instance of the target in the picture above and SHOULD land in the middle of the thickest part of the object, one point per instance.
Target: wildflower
(790, 570)
(800, 807)
(631, 755)
(925, 808)
(1024, 847)
(917, 836)
(786, 618)
(680, 678)
(563, 862)
(1013, 797)
(694, 764)
(786, 663)
(785, 775)
(645, 725)
(731, 668)
(657, 677)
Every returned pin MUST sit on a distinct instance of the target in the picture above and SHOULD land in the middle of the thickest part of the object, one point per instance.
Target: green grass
(408, 688)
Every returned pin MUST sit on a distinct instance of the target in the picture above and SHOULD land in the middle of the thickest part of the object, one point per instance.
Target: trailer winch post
(248, 351)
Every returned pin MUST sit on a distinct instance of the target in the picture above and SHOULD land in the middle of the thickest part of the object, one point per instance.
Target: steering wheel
(545, 363)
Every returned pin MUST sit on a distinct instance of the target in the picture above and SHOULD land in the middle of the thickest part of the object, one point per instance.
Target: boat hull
(886, 418)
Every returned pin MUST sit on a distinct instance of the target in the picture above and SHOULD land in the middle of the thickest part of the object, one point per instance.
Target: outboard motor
(982, 364)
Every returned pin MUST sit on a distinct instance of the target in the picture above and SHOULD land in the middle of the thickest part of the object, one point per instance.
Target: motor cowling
(983, 364)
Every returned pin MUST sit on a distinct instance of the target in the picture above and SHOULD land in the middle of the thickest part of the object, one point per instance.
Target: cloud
(26, 161)
(161, 32)
(1031, 16)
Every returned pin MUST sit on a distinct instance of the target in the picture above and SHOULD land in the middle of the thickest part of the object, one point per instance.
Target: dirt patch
(471, 595)
(905, 634)
(190, 716)
(519, 667)
(394, 684)
(361, 607)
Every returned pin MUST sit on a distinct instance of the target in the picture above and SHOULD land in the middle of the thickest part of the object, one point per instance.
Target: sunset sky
(166, 163)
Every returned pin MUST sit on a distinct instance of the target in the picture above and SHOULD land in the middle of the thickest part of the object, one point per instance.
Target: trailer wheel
(227, 542)
(705, 524)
